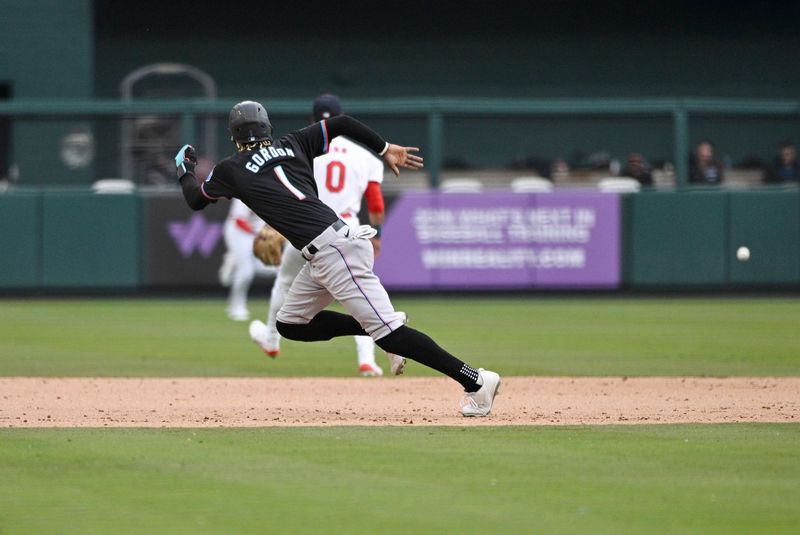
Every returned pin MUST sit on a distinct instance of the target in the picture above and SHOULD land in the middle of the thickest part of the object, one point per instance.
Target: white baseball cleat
(238, 314)
(397, 364)
(370, 370)
(273, 344)
(479, 403)
(269, 342)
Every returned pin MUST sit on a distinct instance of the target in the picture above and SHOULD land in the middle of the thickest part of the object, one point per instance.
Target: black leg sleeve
(325, 325)
(412, 344)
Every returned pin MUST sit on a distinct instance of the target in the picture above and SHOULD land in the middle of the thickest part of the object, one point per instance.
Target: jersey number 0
(334, 176)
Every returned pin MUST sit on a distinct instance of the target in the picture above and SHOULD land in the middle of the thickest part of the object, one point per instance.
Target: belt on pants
(337, 230)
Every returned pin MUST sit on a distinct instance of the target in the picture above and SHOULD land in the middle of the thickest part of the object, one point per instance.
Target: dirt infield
(259, 402)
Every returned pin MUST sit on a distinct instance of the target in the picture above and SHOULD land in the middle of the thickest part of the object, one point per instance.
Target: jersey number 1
(334, 177)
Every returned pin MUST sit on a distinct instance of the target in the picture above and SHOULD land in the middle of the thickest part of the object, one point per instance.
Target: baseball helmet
(326, 106)
(248, 122)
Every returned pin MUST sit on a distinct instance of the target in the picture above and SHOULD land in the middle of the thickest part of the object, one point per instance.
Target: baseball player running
(275, 179)
(240, 266)
(344, 175)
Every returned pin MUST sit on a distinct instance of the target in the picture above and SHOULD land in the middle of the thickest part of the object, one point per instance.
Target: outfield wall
(56, 240)
(689, 239)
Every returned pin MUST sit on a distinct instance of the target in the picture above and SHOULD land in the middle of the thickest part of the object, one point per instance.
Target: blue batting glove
(185, 160)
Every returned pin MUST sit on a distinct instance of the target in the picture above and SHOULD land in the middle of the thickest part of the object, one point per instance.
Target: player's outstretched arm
(397, 156)
(185, 162)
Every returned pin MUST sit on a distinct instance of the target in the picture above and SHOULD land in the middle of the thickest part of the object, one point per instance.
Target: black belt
(336, 225)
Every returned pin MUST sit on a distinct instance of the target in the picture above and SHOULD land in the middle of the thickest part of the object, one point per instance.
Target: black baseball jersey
(277, 182)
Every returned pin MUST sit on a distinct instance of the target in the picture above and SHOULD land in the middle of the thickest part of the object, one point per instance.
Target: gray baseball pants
(341, 269)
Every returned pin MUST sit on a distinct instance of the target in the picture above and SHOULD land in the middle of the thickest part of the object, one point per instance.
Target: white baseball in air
(743, 254)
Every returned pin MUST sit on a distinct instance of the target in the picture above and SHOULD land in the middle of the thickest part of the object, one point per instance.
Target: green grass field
(742, 478)
(678, 479)
(515, 336)
(646, 479)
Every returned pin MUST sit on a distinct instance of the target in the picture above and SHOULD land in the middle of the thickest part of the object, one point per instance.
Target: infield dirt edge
(276, 402)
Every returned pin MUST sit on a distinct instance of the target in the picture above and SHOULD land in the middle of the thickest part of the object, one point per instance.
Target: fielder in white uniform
(343, 175)
(239, 266)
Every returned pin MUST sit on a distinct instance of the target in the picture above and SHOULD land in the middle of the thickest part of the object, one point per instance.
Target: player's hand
(376, 247)
(397, 156)
(185, 160)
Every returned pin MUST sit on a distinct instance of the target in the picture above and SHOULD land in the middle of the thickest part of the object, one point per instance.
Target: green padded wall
(677, 239)
(47, 52)
(91, 240)
(20, 241)
(768, 223)
(63, 239)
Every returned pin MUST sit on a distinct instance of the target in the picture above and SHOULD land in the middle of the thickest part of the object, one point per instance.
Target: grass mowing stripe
(603, 336)
(621, 479)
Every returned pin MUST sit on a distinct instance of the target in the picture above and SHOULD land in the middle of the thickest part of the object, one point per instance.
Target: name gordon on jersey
(266, 154)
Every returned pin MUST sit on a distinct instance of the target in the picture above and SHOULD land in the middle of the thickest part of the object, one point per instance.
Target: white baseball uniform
(342, 176)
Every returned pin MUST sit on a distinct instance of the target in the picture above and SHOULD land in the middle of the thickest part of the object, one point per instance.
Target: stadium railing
(435, 110)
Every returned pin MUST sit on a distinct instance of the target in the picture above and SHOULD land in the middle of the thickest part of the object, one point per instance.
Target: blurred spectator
(599, 160)
(639, 169)
(703, 168)
(540, 166)
(785, 168)
(559, 170)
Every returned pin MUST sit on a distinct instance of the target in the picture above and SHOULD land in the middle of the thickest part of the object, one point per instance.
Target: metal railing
(435, 110)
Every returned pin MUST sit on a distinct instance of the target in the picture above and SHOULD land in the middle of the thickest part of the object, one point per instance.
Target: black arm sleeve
(191, 192)
(344, 125)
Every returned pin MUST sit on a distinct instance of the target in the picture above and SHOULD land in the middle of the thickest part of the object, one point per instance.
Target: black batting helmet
(248, 122)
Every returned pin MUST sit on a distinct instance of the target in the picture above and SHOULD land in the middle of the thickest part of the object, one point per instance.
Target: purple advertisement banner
(501, 241)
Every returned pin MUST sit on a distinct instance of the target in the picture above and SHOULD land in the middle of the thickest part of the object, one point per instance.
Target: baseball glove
(268, 246)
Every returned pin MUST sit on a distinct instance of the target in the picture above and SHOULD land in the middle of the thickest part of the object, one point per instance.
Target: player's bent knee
(295, 331)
